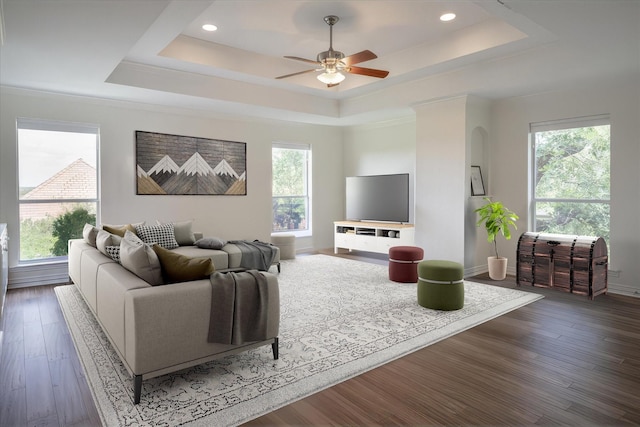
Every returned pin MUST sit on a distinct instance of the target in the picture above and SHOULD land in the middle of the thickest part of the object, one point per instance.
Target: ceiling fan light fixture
(331, 78)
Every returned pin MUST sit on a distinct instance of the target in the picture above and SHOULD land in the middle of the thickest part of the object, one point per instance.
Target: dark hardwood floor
(560, 360)
(41, 379)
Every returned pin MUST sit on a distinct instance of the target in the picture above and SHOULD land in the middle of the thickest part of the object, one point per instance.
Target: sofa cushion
(91, 263)
(210, 243)
(160, 234)
(89, 234)
(183, 232)
(140, 259)
(220, 258)
(105, 239)
(180, 268)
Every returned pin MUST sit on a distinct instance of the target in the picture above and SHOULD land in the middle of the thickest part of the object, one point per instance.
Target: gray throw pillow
(210, 243)
(105, 239)
(140, 259)
(89, 234)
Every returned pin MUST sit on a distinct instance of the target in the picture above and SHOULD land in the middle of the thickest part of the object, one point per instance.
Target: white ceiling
(154, 51)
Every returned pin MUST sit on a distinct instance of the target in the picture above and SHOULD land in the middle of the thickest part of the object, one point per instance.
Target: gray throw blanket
(255, 255)
(239, 307)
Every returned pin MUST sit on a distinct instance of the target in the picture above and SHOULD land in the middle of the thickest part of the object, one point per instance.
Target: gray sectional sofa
(160, 329)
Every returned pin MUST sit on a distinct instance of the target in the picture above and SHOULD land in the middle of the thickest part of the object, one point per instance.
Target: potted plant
(496, 219)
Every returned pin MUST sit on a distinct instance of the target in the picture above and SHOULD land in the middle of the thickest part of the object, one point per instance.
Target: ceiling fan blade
(381, 74)
(294, 74)
(365, 55)
(332, 84)
(303, 60)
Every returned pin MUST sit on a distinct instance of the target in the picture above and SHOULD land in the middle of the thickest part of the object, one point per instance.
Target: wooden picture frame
(184, 165)
(477, 184)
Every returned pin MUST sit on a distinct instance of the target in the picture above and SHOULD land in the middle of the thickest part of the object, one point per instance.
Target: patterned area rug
(339, 318)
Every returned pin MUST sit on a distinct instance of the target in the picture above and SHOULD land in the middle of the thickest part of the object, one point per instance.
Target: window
(291, 184)
(571, 176)
(57, 185)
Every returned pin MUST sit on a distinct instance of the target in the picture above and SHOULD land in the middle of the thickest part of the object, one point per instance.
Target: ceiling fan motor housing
(330, 59)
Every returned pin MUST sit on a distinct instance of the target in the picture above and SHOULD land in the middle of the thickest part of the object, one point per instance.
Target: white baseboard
(480, 269)
(619, 289)
(474, 271)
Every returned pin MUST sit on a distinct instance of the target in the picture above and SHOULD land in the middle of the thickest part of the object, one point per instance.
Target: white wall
(478, 131)
(441, 178)
(381, 149)
(229, 217)
(509, 161)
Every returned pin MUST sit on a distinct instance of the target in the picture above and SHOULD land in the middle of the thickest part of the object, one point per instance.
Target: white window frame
(57, 126)
(579, 122)
(307, 148)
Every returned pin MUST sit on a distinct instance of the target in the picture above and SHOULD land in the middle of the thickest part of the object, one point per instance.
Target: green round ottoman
(440, 285)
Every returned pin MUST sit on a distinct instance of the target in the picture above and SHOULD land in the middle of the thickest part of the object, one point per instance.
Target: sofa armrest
(156, 319)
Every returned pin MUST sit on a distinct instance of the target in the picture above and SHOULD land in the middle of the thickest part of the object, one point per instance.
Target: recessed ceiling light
(448, 17)
(209, 27)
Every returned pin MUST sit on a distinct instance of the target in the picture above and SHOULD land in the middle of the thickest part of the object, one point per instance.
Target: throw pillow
(119, 230)
(160, 234)
(114, 252)
(182, 232)
(105, 239)
(140, 259)
(179, 268)
(210, 243)
(89, 234)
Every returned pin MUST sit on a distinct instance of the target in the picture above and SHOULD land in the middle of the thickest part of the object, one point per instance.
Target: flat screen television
(378, 198)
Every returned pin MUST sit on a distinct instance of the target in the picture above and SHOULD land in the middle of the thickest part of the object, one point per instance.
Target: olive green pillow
(119, 230)
(180, 268)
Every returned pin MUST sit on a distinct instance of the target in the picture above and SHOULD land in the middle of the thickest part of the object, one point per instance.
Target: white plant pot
(497, 267)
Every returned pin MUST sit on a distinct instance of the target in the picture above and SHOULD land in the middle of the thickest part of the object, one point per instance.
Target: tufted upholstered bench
(440, 285)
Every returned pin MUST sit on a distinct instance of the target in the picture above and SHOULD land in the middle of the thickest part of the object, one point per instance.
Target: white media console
(371, 236)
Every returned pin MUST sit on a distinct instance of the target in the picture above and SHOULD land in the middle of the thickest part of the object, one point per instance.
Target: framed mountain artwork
(180, 165)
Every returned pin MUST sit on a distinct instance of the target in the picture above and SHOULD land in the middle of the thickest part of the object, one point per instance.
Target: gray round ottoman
(287, 244)
(440, 285)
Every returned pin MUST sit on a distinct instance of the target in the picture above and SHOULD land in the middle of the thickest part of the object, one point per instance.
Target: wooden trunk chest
(576, 264)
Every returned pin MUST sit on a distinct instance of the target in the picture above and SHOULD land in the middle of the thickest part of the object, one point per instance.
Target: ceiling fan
(332, 62)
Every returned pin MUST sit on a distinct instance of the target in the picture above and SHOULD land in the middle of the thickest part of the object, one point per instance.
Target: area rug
(339, 318)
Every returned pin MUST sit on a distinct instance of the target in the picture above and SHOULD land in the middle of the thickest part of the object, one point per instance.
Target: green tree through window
(69, 226)
(290, 187)
(571, 178)
(57, 185)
